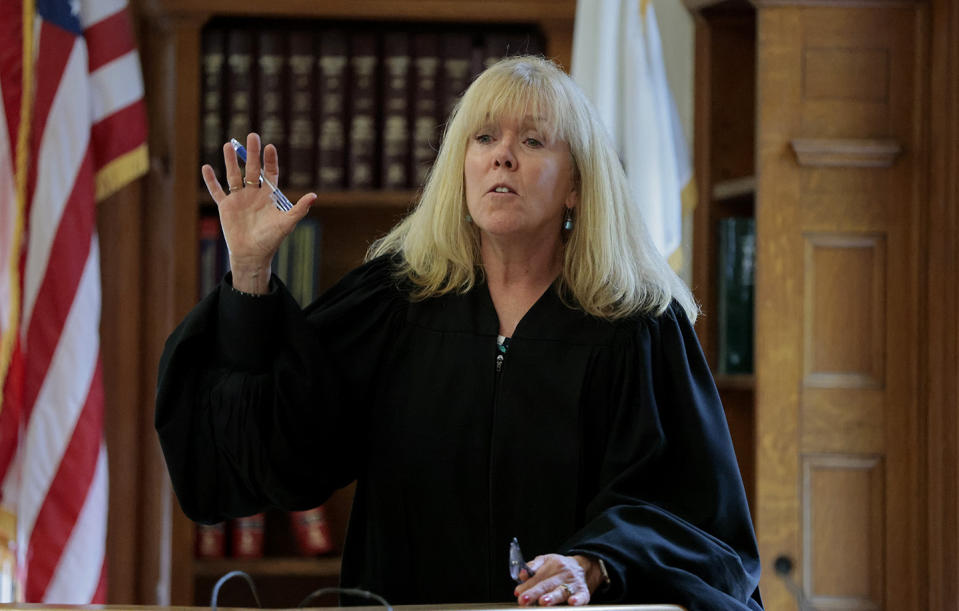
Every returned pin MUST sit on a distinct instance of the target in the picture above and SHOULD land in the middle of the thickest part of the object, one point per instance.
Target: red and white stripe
(87, 113)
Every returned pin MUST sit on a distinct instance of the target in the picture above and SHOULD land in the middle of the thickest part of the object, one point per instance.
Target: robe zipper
(500, 360)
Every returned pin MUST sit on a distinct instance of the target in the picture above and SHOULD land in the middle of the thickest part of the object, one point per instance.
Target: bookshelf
(171, 38)
(726, 183)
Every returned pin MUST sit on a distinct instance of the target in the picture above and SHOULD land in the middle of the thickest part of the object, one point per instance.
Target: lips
(502, 188)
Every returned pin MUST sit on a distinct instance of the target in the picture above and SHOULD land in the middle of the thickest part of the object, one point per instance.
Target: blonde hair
(611, 268)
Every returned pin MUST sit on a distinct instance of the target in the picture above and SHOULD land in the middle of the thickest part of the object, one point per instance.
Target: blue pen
(279, 200)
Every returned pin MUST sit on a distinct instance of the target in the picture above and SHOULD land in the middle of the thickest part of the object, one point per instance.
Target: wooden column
(942, 330)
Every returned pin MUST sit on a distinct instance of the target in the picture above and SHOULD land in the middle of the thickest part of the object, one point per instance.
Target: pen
(516, 563)
(279, 200)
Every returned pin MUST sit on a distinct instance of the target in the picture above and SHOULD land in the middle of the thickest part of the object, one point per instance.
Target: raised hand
(252, 226)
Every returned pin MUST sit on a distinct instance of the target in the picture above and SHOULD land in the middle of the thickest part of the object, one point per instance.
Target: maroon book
(271, 102)
(396, 89)
(331, 81)
(361, 156)
(211, 540)
(212, 134)
(247, 536)
(301, 163)
(456, 70)
(239, 83)
(426, 103)
(311, 531)
(509, 42)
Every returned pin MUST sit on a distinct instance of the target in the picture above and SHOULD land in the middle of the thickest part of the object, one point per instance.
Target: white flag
(618, 62)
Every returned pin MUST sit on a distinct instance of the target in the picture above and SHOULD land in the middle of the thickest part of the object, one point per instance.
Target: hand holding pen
(550, 579)
(279, 200)
(253, 223)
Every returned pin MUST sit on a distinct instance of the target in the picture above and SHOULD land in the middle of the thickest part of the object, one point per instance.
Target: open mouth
(501, 189)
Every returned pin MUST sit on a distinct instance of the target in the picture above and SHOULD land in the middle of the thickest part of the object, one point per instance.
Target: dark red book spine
(239, 83)
(213, 135)
(395, 160)
(456, 69)
(247, 536)
(209, 253)
(311, 531)
(426, 105)
(509, 42)
(300, 91)
(271, 101)
(331, 84)
(361, 156)
(210, 540)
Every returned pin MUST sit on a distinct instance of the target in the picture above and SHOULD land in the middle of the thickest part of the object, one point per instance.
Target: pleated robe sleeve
(670, 518)
(262, 404)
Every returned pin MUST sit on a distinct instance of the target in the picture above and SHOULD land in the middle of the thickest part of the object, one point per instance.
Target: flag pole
(12, 329)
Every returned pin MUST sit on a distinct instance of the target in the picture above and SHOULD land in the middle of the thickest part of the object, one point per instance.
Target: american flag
(72, 132)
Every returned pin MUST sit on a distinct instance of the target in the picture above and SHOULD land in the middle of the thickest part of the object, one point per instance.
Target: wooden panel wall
(838, 297)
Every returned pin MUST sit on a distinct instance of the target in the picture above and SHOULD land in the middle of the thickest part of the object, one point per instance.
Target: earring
(568, 220)
(469, 219)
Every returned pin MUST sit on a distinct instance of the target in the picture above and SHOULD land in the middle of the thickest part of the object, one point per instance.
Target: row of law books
(296, 262)
(244, 537)
(736, 283)
(348, 105)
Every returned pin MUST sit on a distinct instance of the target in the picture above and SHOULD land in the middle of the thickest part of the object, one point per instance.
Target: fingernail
(524, 598)
(547, 599)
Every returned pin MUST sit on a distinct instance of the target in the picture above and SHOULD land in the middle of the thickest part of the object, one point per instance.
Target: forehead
(518, 121)
(516, 105)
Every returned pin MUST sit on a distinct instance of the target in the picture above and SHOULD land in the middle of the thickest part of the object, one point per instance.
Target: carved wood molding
(834, 152)
(835, 3)
(696, 5)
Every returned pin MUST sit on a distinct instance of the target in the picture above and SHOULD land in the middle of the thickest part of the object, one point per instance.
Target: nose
(503, 154)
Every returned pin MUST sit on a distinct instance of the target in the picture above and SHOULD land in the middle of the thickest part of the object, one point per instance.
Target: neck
(517, 277)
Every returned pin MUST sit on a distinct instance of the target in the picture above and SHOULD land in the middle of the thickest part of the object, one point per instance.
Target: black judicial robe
(595, 437)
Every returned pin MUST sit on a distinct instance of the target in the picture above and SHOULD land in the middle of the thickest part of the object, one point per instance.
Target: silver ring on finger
(570, 590)
(235, 188)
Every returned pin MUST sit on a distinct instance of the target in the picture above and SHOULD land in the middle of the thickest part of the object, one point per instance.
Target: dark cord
(348, 591)
(222, 580)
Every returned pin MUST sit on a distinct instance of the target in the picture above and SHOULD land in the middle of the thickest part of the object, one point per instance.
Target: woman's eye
(533, 142)
(484, 138)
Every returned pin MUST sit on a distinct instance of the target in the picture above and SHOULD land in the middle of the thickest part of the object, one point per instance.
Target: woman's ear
(573, 198)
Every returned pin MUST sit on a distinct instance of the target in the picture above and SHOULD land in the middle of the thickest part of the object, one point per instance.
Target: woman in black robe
(515, 359)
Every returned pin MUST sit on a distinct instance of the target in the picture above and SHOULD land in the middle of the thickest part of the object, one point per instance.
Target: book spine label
(395, 87)
(362, 113)
(300, 92)
(247, 536)
(239, 83)
(271, 101)
(312, 532)
(331, 123)
(212, 133)
(425, 107)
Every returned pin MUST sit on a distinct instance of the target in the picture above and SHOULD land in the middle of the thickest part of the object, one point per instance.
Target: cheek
(554, 179)
(471, 176)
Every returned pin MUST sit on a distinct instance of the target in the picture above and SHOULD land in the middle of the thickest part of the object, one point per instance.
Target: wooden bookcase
(725, 115)
(170, 38)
